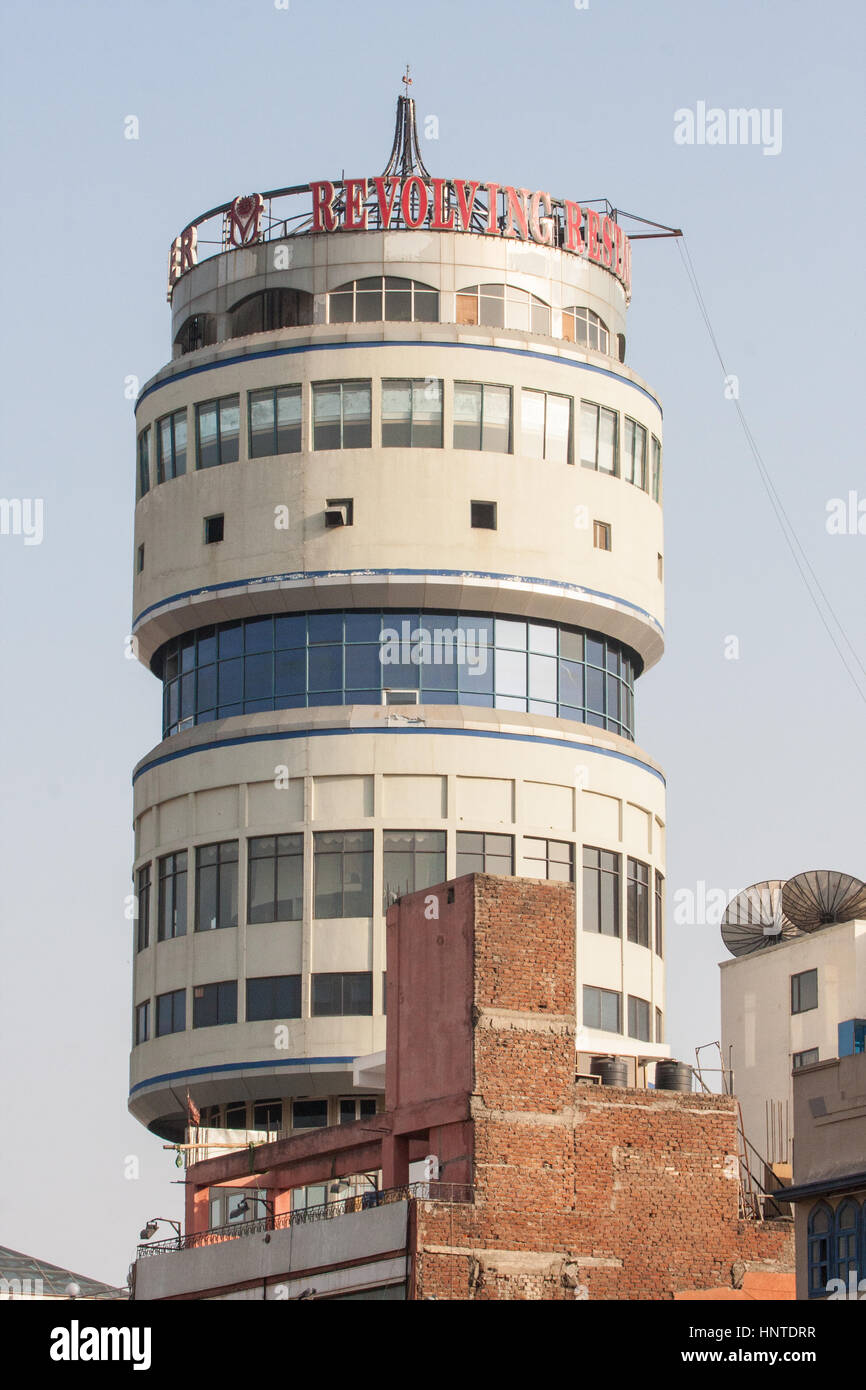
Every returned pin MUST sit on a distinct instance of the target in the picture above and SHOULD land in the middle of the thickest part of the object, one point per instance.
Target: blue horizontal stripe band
(435, 732)
(577, 589)
(168, 1077)
(399, 343)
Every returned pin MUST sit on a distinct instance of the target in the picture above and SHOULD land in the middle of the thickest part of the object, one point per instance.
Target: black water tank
(673, 1076)
(612, 1070)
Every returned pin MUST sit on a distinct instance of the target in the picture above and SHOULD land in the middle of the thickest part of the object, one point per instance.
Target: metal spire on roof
(405, 157)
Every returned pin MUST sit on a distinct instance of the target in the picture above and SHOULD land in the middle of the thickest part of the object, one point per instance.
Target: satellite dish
(755, 919)
(822, 896)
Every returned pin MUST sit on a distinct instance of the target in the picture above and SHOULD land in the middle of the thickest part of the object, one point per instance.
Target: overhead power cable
(792, 540)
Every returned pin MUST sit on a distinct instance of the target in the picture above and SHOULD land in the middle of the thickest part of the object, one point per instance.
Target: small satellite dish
(755, 919)
(822, 896)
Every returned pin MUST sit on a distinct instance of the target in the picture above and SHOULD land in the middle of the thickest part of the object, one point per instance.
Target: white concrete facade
(384, 768)
(765, 1039)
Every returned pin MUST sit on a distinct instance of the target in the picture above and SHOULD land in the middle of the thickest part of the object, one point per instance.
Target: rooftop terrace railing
(447, 1192)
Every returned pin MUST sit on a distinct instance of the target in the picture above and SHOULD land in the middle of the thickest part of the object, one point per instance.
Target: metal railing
(450, 1193)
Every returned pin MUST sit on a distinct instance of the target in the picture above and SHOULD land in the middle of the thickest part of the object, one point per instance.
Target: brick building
(548, 1187)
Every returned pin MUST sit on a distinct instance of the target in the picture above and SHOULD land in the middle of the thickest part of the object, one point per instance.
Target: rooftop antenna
(821, 897)
(756, 918)
(405, 157)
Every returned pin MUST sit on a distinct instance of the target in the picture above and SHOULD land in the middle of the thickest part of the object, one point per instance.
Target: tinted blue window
(290, 630)
(363, 627)
(440, 653)
(259, 635)
(231, 681)
(258, 676)
(231, 640)
(291, 672)
(363, 668)
(326, 627)
(326, 668)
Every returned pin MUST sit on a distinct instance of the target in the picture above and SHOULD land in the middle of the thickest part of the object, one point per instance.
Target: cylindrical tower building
(398, 553)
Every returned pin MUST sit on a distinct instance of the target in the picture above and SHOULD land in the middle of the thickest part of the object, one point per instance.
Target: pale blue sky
(764, 755)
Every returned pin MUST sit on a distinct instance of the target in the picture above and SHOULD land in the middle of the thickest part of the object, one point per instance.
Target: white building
(793, 1004)
(398, 565)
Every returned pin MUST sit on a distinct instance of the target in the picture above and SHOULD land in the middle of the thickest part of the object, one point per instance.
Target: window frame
(293, 854)
(484, 387)
(545, 443)
(797, 987)
(487, 854)
(255, 1016)
(637, 1007)
(288, 391)
(342, 384)
(412, 383)
(143, 885)
(342, 976)
(144, 463)
(581, 313)
(547, 841)
(223, 862)
(179, 898)
(610, 994)
(222, 997)
(320, 853)
(601, 869)
(415, 853)
(162, 476)
(219, 404)
(177, 1008)
(142, 1023)
(638, 914)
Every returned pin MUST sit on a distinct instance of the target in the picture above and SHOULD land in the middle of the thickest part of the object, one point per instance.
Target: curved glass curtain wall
(353, 657)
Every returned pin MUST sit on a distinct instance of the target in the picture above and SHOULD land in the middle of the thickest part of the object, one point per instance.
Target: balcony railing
(451, 1193)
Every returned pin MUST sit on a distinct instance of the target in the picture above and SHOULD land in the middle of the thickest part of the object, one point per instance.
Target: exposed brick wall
(580, 1191)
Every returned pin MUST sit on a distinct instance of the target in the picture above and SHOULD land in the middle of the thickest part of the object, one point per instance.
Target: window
(270, 310)
(482, 417)
(601, 535)
(171, 446)
(309, 1114)
(598, 438)
(819, 1240)
(234, 1206)
(268, 1114)
(659, 914)
(481, 853)
(143, 908)
(273, 996)
(383, 298)
(171, 1012)
(361, 1108)
(846, 1255)
(215, 1004)
(276, 878)
(216, 886)
(601, 877)
(482, 516)
(639, 1019)
(275, 421)
(336, 995)
(413, 859)
(637, 900)
(343, 873)
(552, 859)
(634, 453)
(545, 426)
(805, 1059)
(199, 331)
(660, 564)
(412, 414)
(236, 1115)
(586, 328)
(602, 1009)
(293, 660)
(503, 306)
(217, 426)
(143, 462)
(804, 991)
(214, 529)
(342, 415)
(656, 469)
(142, 1022)
(660, 1026)
(171, 905)
(139, 560)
